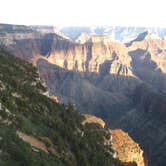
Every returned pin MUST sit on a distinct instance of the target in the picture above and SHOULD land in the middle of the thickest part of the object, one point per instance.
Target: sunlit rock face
(127, 150)
(54, 98)
(93, 119)
(90, 56)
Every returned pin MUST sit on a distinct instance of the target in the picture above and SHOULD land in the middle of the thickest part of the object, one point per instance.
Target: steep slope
(35, 130)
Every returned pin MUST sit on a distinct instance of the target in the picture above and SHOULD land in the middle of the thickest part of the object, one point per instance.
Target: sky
(150, 13)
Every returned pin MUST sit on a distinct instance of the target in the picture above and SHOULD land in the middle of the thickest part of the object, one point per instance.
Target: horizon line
(75, 26)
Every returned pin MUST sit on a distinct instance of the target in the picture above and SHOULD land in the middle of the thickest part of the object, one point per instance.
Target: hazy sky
(84, 12)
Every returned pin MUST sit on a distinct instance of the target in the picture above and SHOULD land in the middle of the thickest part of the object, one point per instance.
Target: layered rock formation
(91, 55)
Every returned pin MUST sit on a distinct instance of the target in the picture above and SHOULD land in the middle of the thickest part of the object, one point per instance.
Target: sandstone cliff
(127, 150)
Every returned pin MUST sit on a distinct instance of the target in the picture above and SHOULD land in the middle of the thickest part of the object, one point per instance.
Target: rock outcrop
(93, 119)
(54, 98)
(126, 149)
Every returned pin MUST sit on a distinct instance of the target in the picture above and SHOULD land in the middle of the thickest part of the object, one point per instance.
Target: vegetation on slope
(24, 109)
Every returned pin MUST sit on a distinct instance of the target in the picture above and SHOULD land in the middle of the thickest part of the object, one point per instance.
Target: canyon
(122, 83)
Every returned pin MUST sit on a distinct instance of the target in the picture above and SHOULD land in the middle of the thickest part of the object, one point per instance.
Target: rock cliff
(126, 149)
